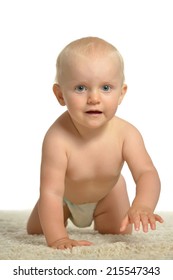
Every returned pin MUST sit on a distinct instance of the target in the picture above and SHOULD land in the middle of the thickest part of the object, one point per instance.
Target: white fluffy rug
(15, 244)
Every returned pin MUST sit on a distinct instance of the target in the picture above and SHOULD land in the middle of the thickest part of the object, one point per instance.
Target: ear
(123, 92)
(58, 93)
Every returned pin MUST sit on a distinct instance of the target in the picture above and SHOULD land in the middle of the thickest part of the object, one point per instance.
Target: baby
(84, 151)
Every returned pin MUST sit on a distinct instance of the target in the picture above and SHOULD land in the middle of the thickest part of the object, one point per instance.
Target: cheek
(74, 103)
(111, 103)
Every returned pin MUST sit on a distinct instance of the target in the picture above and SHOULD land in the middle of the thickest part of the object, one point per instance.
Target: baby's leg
(34, 225)
(111, 210)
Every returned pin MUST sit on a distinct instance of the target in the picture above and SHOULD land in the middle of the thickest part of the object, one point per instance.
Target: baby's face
(92, 88)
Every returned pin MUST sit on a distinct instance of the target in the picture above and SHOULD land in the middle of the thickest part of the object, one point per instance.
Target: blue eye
(80, 88)
(106, 88)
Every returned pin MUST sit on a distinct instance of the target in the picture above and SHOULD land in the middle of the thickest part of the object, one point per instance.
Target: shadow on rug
(16, 244)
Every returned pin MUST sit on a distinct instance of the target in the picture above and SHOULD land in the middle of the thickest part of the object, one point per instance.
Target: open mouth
(93, 112)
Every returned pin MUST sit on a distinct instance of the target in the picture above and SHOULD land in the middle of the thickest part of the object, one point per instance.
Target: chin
(95, 125)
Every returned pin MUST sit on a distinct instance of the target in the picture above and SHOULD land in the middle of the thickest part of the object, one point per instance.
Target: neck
(87, 133)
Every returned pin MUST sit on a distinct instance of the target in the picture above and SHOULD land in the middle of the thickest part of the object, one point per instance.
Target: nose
(93, 98)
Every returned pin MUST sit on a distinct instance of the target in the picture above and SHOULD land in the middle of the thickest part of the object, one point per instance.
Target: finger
(67, 245)
(84, 243)
(61, 247)
(136, 221)
(152, 222)
(144, 221)
(158, 218)
(124, 224)
(153, 219)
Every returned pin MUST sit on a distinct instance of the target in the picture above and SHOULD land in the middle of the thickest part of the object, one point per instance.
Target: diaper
(81, 214)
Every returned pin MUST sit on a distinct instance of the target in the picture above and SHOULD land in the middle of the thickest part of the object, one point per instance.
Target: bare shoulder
(130, 136)
(133, 143)
(59, 130)
(134, 151)
(125, 128)
(57, 137)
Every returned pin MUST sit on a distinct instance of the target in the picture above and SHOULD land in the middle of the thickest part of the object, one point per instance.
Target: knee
(30, 228)
(128, 230)
(115, 230)
(33, 226)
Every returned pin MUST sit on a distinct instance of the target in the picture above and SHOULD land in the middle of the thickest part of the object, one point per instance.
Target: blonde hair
(86, 46)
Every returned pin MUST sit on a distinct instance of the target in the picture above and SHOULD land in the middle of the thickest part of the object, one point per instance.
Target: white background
(32, 34)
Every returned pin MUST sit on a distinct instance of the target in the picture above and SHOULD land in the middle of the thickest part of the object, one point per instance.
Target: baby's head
(90, 81)
(88, 46)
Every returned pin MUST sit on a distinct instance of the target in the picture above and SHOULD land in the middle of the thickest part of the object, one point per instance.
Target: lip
(93, 112)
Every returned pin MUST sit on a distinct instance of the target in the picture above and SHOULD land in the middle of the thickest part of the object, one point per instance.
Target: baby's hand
(140, 215)
(67, 243)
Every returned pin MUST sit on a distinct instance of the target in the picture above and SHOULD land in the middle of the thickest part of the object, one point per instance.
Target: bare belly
(88, 191)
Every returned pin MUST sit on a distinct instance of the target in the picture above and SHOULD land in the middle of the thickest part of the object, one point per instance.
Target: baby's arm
(50, 205)
(147, 183)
